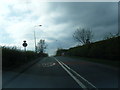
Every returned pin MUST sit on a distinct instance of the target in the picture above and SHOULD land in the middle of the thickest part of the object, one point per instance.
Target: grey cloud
(92, 14)
(102, 17)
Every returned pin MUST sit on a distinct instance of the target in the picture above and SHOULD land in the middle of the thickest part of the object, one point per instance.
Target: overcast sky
(19, 18)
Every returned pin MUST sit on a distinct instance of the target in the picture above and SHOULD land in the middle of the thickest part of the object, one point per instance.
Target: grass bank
(105, 51)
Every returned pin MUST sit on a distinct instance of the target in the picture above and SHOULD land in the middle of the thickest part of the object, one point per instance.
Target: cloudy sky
(19, 18)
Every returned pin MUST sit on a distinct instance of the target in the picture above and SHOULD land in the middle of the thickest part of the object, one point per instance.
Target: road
(65, 72)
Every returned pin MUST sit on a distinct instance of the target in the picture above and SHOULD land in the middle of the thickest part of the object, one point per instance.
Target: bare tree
(83, 36)
(41, 46)
(109, 35)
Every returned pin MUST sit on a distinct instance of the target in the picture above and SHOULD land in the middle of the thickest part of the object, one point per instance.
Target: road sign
(24, 44)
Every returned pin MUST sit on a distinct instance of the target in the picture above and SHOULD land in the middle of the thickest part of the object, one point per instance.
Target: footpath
(8, 76)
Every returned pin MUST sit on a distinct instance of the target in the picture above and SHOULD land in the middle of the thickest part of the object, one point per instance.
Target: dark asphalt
(47, 73)
(102, 76)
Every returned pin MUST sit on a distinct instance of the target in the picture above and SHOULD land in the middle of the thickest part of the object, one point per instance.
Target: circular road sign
(24, 44)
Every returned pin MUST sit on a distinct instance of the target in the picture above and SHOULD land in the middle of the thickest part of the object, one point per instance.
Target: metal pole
(25, 49)
(119, 18)
(35, 40)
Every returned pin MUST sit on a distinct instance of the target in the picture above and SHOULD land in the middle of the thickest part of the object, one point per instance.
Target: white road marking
(48, 64)
(79, 83)
(67, 68)
(79, 75)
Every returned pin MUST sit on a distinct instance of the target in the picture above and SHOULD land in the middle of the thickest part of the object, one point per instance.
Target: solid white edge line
(79, 83)
(78, 75)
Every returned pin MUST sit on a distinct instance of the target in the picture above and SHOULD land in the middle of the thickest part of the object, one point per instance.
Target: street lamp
(35, 38)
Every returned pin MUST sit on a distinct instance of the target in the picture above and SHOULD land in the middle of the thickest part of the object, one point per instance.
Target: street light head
(40, 25)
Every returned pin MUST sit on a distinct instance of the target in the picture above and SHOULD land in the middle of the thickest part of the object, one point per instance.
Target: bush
(12, 57)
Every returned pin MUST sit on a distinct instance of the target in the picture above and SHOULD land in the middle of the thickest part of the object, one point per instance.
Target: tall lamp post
(35, 38)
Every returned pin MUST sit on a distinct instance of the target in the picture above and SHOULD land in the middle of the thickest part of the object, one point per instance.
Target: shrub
(12, 57)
